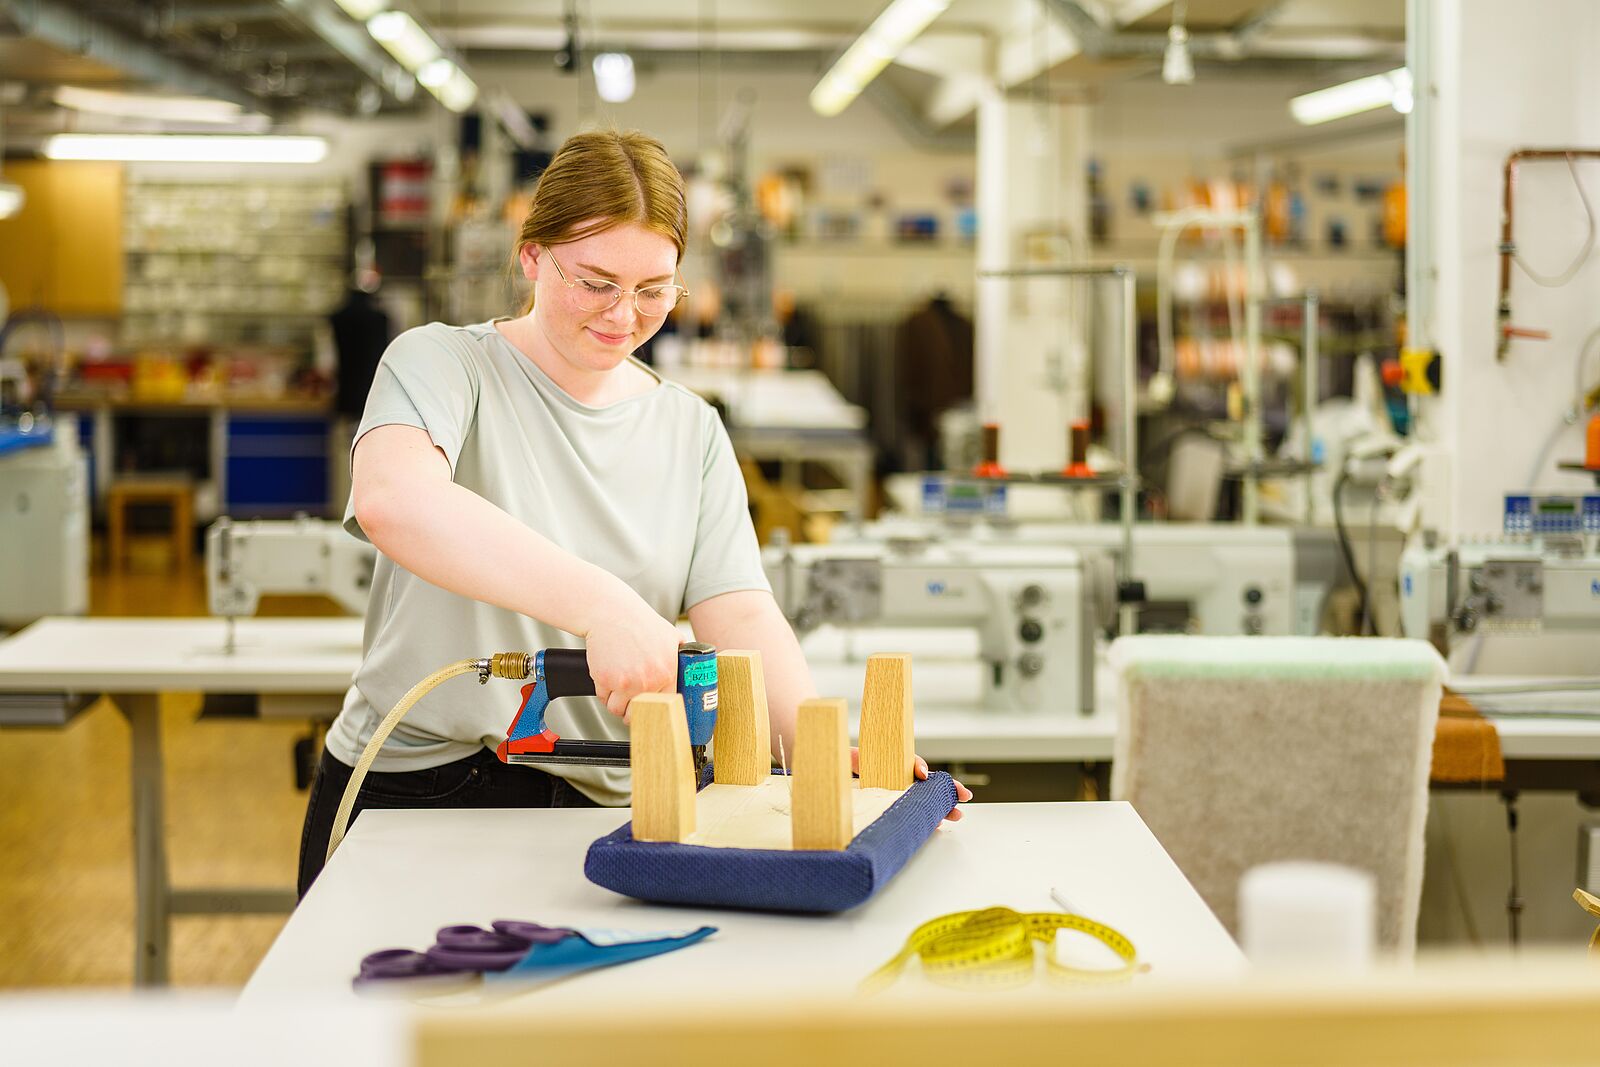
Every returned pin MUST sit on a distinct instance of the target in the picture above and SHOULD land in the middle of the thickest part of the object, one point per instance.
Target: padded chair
(1238, 751)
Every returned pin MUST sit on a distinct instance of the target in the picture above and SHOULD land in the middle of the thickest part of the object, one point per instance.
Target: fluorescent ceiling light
(894, 28)
(1392, 89)
(1403, 101)
(434, 75)
(459, 93)
(408, 42)
(1177, 65)
(11, 198)
(613, 76)
(362, 10)
(449, 83)
(147, 105)
(180, 148)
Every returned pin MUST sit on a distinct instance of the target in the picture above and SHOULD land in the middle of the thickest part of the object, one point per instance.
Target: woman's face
(629, 255)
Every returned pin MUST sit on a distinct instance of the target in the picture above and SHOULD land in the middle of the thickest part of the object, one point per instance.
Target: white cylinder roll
(1304, 915)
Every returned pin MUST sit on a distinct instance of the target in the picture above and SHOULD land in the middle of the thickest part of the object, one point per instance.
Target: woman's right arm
(414, 513)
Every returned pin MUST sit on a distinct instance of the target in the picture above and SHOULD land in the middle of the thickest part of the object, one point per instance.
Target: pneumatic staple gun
(557, 672)
(564, 672)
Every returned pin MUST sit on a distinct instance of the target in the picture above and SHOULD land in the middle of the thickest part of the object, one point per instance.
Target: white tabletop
(1514, 704)
(144, 655)
(401, 875)
(774, 399)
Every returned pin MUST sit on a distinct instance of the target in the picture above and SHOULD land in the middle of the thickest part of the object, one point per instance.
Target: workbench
(55, 668)
(302, 667)
(528, 864)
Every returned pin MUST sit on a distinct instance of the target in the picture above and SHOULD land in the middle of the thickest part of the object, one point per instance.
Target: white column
(1509, 78)
(1032, 210)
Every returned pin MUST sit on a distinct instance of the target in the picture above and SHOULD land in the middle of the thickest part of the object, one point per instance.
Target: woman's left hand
(919, 767)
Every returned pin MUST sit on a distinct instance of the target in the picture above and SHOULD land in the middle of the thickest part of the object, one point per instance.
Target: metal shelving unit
(220, 262)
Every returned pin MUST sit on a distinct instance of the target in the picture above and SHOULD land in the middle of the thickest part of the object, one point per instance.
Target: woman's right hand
(632, 650)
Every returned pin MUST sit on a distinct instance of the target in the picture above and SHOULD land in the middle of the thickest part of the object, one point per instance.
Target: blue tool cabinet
(276, 465)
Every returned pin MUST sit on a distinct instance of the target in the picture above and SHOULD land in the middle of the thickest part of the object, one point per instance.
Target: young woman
(531, 485)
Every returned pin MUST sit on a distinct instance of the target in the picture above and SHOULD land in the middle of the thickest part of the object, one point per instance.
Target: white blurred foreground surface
(1308, 915)
(1490, 1011)
(199, 1030)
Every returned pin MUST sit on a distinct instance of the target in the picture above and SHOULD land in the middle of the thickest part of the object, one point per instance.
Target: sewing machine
(1542, 576)
(1209, 578)
(300, 556)
(1517, 618)
(1031, 606)
(44, 520)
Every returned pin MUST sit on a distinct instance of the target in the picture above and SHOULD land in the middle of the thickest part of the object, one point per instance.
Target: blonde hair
(603, 179)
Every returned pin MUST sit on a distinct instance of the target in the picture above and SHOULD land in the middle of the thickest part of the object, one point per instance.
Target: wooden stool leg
(663, 772)
(115, 503)
(742, 745)
(183, 529)
(820, 808)
(887, 741)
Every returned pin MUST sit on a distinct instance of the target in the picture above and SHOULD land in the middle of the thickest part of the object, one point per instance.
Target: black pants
(479, 781)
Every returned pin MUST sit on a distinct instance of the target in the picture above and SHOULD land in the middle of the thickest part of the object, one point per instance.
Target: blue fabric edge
(791, 881)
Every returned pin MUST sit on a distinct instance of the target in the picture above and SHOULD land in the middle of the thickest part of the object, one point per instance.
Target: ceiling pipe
(184, 16)
(1096, 40)
(891, 102)
(351, 40)
(1100, 42)
(70, 31)
(913, 124)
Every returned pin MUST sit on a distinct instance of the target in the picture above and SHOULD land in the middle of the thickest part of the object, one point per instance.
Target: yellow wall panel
(64, 249)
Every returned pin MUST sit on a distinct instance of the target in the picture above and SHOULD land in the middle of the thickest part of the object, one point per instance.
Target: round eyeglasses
(597, 294)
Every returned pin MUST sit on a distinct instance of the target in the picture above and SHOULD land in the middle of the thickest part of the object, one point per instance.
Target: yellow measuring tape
(1591, 904)
(994, 949)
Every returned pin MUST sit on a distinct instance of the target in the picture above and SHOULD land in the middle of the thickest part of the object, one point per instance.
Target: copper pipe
(1508, 246)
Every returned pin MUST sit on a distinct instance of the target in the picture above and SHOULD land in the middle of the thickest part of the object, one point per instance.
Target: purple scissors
(459, 950)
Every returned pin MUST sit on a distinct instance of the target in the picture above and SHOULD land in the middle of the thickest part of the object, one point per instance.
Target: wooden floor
(66, 867)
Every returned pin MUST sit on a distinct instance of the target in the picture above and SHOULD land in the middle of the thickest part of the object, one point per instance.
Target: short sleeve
(427, 379)
(727, 557)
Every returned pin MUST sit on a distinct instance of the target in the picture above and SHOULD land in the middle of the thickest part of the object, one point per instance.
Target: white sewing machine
(1031, 606)
(299, 557)
(1542, 576)
(1209, 578)
(44, 521)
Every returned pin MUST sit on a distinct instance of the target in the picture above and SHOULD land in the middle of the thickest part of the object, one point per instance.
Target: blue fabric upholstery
(768, 879)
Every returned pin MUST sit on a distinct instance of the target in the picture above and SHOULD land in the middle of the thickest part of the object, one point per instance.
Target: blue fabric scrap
(590, 950)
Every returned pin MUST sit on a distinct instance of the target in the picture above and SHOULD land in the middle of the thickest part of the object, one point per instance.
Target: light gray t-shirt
(647, 488)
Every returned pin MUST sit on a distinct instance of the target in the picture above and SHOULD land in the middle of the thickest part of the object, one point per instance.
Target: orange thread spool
(990, 466)
(1078, 450)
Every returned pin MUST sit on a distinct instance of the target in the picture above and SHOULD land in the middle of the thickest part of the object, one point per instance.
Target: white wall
(1510, 76)
(1211, 117)
(1237, 128)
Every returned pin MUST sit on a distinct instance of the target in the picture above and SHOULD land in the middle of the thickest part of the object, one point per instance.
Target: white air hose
(513, 665)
